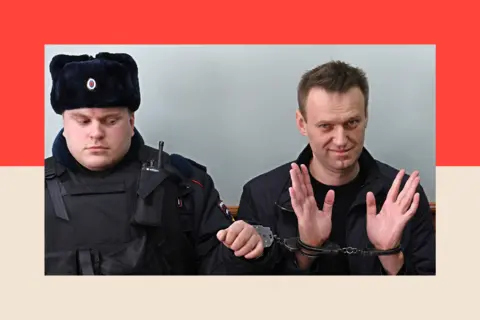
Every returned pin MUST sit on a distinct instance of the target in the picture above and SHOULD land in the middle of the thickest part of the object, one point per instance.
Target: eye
(353, 123)
(324, 126)
(83, 122)
(112, 121)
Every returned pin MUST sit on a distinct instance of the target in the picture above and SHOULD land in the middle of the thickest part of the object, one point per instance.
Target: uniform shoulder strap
(52, 172)
(197, 165)
(53, 169)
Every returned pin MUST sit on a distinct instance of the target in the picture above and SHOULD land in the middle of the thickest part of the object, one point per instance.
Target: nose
(340, 138)
(96, 131)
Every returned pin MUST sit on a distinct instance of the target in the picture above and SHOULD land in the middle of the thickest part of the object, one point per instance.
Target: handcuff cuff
(294, 244)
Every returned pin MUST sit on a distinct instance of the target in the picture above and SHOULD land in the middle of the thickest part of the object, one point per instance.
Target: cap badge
(91, 84)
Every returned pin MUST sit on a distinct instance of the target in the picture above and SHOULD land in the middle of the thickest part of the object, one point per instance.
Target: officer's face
(98, 137)
(335, 126)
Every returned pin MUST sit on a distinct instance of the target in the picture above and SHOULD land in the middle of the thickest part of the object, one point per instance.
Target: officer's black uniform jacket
(114, 223)
(266, 200)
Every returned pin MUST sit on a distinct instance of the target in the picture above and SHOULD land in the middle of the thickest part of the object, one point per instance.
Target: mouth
(97, 148)
(341, 152)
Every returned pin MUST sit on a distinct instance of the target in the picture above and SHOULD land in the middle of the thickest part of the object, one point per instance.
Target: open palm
(314, 225)
(385, 229)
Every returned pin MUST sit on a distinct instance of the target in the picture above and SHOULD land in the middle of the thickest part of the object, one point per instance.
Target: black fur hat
(83, 81)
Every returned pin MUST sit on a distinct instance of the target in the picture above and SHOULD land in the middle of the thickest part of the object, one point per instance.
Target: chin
(343, 164)
(96, 164)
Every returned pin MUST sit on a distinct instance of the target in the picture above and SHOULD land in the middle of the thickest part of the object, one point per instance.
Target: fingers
(328, 203)
(298, 182)
(301, 179)
(408, 184)
(249, 246)
(306, 180)
(256, 252)
(305, 207)
(406, 196)
(221, 235)
(301, 192)
(232, 232)
(243, 237)
(413, 208)
(393, 192)
(371, 206)
(296, 204)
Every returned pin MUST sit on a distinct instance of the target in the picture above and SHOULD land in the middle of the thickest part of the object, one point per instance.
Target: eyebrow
(112, 114)
(329, 121)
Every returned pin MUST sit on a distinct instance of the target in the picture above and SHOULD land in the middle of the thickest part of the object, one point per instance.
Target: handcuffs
(294, 244)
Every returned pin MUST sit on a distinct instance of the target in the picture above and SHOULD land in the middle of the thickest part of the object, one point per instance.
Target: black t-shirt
(345, 195)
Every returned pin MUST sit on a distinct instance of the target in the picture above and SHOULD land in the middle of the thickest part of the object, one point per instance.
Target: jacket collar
(366, 161)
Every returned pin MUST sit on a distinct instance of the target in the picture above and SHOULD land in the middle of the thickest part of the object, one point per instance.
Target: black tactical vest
(125, 223)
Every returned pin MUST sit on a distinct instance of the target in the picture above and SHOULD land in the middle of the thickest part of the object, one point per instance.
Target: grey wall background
(232, 108)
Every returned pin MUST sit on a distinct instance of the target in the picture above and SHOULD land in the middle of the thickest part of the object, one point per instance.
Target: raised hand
(385, 229)
(314, 225)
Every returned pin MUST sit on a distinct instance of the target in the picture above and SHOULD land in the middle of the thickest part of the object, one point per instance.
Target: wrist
(385, 247)
(392, 264)
(303, 262)
(312, 241)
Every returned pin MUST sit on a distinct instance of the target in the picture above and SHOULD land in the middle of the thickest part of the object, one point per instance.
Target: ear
(132, 122)
(63, 122)
(301, 123)
(366, 116)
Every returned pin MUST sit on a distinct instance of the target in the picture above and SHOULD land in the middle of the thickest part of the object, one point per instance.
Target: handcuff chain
(295, 244)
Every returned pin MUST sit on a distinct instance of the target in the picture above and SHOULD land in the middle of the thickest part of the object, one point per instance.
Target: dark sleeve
(284, 261)
(215, 258)
(420, 257)
(419, 252)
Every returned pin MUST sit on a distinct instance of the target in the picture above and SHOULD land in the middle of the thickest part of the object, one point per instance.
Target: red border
(108, 22)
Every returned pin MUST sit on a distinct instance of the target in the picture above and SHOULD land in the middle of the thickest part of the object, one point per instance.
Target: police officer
(115, 206)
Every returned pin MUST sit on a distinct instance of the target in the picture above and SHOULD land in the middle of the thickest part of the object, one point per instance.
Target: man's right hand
(314, 225)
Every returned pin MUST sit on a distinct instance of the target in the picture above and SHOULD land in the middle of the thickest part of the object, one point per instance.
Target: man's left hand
(243, 239)
(385, 229)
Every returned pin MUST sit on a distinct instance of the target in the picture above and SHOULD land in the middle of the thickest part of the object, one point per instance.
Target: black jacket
(264, 197)
(129, 221)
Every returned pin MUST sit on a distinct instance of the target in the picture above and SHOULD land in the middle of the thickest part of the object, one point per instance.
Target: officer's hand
(243, 239)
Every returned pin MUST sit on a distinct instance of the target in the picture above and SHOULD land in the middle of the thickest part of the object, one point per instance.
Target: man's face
(98, 137)
(335, 126)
